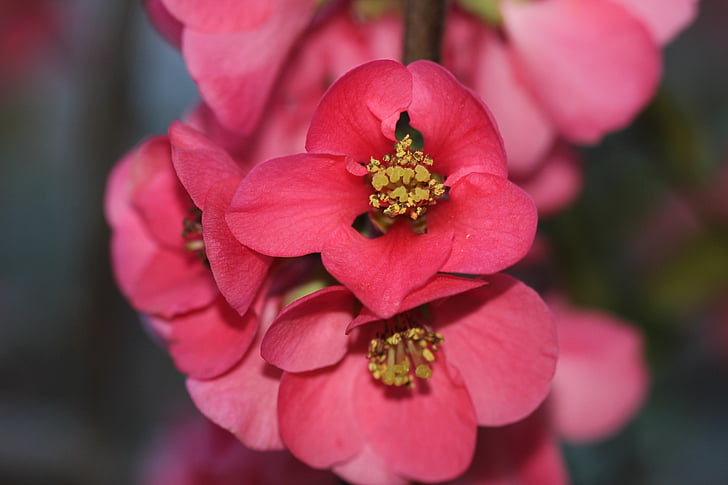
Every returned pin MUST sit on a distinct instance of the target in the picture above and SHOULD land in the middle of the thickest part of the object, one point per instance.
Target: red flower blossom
(454, 192)
(402, 397)
(162, 257)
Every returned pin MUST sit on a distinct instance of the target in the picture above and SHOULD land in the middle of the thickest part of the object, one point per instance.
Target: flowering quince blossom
(577, 69)
(233, 49)
(162, 258)
(446, 208)
(194, 451)
(385, 400)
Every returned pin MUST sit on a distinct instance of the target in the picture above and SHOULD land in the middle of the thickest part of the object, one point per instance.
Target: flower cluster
(324, 260)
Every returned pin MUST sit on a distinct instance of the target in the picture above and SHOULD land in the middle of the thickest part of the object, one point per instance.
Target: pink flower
(576, 69)
(601, 378)
(455, 193)
(162, 257)
(234, 50)
(196, 452)
(401, 398)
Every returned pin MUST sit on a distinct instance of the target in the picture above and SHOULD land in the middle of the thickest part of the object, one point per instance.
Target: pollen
(400, 354)
(402, 182)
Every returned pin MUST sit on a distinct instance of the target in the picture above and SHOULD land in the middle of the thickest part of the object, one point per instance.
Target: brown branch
(423, 27)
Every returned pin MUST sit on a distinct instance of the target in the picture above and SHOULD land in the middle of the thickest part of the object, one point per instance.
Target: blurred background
(83, 388)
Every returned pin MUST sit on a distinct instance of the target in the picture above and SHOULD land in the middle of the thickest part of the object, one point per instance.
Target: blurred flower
(401, 398)
(196, 452)
(448, 208)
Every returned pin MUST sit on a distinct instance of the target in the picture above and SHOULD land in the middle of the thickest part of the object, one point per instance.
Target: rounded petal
(220, 15)
(349, 119)
(382, 271)
(493, 221)
(316, 414)
(523, 453)
(239, 272)
(556, 183)
(208, 342)
(199, 163)
(591, 64)
(290, 206)
(601, 379)
(368, 468)
(243, 401)
(235, 71)
(439, 286)
(664, 18)
(457, 128)
(426, 433)
(310, 333)
(502, 340)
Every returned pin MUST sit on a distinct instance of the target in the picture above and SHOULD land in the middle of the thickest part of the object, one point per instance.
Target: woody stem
(424, 24)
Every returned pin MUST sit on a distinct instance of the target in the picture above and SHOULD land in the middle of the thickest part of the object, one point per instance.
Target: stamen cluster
(403, 183)
(392, 355)
(192, 233)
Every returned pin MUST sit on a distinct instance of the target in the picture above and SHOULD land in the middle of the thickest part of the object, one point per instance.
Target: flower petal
(243, 401)
(427, 433)
(208, 342)
(382, 271)
(591, 64)
(348, 121)
(665, 19)
(168, 26)
(310, 332)
(494, 223)
(458, 130)
(220, 15)
(601, 378)
(523, 453)
(199, 163)
(368, 468)
(290, 206)
(502, 340)
(316, 414)
(238, 271)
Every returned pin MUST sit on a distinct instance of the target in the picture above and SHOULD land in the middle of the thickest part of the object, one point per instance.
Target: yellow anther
(403, 183)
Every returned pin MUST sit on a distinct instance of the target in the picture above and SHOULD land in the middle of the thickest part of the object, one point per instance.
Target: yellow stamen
(402, 182)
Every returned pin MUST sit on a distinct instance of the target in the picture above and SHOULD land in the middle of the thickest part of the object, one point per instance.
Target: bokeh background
(83, 388)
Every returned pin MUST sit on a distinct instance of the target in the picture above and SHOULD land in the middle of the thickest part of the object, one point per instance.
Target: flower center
(403, 183)
(402, 352)
(192, 233)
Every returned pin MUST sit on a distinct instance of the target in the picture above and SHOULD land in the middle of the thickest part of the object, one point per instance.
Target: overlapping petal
(665, 18)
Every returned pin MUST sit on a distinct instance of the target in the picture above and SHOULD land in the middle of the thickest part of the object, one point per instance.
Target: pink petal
(664, 18)
(592, 66)
(199, 162)
(494, 223)
(457, 128)
(601, 379)
(368, 468)
(116, 198)
(556, 183)
(236, 71)
(524, 453)
(502, 340)
(164, 22)
(208, 342)
(290, 206)
(349, 119)
(439, 286)
(220, 15)
(238, 271)
(527, 132)
(382, 271)
(243, 401)
(425, 434)
(172, 283)
(310, 332)
(316, 414)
